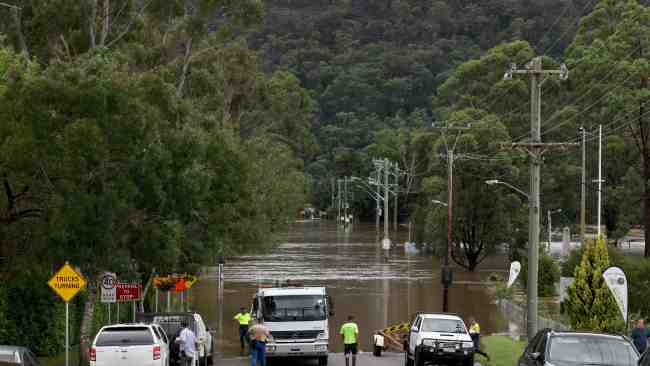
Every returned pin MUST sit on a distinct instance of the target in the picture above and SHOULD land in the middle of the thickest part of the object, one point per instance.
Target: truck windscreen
(294, 308)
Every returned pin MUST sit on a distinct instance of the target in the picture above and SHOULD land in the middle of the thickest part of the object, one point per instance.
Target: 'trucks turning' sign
(67, 282)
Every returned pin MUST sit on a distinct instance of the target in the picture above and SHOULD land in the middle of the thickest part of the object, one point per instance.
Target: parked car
(549, 347)
(130, 345)
(439, 338)
(171, 322)
(14, 355)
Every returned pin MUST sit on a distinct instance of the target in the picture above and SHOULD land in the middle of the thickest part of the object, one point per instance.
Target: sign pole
(109, 313)
(134, 310)
(117, 316)
(67, 333)
(156, 306)
(169, 301)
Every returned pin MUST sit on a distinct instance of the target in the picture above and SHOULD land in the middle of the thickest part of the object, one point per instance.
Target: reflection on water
(361, 281)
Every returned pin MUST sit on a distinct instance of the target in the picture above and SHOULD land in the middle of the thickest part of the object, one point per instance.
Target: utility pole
(386, 241)
(548, 221)
(338, 193)
(378, 199)
(536, 149)
(395, 208)
(345, 202)
(600, 176)
(447, 274)
(583, 187)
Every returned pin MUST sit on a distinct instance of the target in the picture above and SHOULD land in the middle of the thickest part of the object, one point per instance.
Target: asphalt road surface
(335, 359)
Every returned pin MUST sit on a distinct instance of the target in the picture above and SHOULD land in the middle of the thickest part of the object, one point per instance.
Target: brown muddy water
(351, 265)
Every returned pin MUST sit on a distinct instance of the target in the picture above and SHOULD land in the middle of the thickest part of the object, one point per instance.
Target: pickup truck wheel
(407, 359)
(469, 361)
(322, 361)
(419, 361)
(210, 360)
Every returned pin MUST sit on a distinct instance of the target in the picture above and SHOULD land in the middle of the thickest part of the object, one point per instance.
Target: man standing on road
(259, 334)
(378, 341)
(243, 318)
(475, 333)
(187, 344)
(640, 336)
(350, 333)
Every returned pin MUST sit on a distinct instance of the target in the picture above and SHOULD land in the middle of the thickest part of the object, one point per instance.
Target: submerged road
(335, 359)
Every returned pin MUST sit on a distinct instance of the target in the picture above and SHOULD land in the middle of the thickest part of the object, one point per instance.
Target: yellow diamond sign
(67, 282)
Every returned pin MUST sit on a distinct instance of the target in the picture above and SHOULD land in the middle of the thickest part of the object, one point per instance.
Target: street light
(440, 203)
(496, 181)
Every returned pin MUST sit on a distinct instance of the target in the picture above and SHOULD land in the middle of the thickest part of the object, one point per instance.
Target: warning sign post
(67, 283)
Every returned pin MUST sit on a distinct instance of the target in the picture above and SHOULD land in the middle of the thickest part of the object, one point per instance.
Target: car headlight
(270, 338)
(323, 335)
(428, 342)
(468, 344)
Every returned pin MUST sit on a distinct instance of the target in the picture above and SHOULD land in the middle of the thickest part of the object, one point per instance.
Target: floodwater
(351, 265)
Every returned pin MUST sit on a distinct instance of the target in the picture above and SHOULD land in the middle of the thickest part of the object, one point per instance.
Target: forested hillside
(376, 64)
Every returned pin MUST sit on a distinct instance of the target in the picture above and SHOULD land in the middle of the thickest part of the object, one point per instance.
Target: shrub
(590, 304)
(548, 275)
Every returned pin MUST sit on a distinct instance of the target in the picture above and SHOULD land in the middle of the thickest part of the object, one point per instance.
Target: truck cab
(297, 318)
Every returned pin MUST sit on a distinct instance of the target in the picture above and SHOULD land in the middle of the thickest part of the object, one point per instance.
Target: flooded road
(351, 264)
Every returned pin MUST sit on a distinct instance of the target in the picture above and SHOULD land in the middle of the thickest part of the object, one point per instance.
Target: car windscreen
(442, 325)
(591, 350)
(126, 336)
(294, 308)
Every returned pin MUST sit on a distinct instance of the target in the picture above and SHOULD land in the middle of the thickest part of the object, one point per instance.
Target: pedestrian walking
(640, 336)
(475, 333)
(258, 333)
(187, 344)
(378, 342)
(350, 333)
(243, 318)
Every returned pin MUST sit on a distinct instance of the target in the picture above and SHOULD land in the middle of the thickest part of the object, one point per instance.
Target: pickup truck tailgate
(125, 356)
(126, 346)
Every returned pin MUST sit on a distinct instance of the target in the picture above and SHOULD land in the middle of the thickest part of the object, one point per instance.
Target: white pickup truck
(130, 345)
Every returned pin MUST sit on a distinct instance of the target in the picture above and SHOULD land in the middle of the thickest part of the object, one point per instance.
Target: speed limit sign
(108, 285)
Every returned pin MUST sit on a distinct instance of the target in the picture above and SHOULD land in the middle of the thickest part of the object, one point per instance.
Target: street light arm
(496, 181)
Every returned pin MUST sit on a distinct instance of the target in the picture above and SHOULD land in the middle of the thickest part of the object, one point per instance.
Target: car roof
(129, 325)
(440, 316)
(582, 333)
(287, 291)
(7, 349)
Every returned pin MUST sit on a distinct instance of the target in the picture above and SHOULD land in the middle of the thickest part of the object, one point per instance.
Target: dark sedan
(551, 348)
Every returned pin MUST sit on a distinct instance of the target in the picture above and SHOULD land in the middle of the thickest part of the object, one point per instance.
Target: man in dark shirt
(640, 336)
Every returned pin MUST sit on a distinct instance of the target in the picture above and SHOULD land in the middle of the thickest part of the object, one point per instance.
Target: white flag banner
(617, 283)
(515, 268)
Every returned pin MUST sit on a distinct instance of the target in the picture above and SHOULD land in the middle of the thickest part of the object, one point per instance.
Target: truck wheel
(469, 361)
(322, 361)
(210, 360)
(407, 359)
(419, 360)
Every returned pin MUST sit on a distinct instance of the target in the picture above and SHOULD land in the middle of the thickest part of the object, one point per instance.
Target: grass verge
(60, 359)
(503, 351)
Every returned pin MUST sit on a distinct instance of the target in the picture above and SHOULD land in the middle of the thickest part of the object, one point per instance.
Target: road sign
(67, 282)
(190, 280)
(128, 291)
(108, 284)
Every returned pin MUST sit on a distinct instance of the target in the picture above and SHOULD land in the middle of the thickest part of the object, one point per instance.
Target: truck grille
(289, 335)
(447, 345)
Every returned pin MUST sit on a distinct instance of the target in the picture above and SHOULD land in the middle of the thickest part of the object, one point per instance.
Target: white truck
(297, 317)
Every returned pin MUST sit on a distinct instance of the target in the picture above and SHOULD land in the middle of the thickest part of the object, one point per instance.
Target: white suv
(439, 338)
(130, 345)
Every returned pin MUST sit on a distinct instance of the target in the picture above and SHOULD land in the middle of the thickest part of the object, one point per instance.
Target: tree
(480, 222)
(611, 51)
(589, 302)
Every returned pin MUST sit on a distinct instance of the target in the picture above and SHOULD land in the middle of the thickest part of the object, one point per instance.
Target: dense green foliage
(589, 303)
(119, 152)
(548, 276)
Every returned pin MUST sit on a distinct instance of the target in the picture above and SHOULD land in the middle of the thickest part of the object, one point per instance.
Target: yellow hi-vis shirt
(349, 332)
(475, 329)
(243, 318)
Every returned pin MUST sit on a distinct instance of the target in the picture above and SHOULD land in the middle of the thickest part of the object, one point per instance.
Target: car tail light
(156, 352)
(93, 354)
